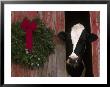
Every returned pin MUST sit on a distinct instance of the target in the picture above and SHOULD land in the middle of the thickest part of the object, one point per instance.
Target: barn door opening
(83, 17)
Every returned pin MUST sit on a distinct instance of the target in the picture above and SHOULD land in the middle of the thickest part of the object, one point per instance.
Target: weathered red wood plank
(56, 21)
(53, 19)
(95, 28)
(60, 53)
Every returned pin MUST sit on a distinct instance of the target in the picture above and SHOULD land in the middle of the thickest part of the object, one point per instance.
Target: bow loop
(25, 24)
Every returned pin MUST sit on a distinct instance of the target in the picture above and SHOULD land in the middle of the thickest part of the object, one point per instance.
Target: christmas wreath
(31, 42)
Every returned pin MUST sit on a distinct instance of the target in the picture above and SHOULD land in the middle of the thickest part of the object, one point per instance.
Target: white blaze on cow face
(76, 31)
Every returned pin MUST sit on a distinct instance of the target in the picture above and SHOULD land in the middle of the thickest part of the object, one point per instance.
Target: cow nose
(68, 61)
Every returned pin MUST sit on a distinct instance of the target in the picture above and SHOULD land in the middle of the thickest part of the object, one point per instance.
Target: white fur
(75, 35)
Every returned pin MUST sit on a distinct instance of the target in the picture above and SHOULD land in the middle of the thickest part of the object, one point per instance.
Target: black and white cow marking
(78, 37)
(76, 32)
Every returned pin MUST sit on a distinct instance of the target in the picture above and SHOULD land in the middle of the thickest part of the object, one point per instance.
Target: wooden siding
(54, 67)
(56, 64)
(53, 19)
(95, 28)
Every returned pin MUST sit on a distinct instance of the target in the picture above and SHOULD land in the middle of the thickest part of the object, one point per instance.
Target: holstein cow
(78, 36)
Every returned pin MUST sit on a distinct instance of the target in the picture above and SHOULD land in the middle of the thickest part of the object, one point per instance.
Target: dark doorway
(83, 17)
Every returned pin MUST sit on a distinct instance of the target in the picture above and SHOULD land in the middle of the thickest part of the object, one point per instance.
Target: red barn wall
(95, 28)
(56, 21)
(53, 19)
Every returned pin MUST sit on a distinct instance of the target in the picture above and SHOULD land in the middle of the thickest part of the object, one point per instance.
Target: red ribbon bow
(28, 27)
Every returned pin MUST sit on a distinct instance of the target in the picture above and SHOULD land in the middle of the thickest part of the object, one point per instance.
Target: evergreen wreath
(43, 45)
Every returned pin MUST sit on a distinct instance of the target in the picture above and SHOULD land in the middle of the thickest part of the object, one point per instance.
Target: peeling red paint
(56, 20)
(53, 20)
(96, 44)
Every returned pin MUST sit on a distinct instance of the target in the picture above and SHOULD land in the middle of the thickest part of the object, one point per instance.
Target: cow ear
(92, 37)
(62, 35)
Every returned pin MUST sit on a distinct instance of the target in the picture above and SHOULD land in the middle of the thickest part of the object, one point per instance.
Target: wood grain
(54, 67)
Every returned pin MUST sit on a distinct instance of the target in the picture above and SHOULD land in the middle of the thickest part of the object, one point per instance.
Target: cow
(77, 40)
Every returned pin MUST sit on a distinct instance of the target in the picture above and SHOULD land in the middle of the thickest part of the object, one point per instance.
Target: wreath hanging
(31, 53)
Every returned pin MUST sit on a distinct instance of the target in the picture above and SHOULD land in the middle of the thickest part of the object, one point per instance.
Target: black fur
(75, 68)
(62, 35)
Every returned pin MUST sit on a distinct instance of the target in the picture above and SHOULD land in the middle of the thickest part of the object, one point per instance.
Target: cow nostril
(68, 61)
